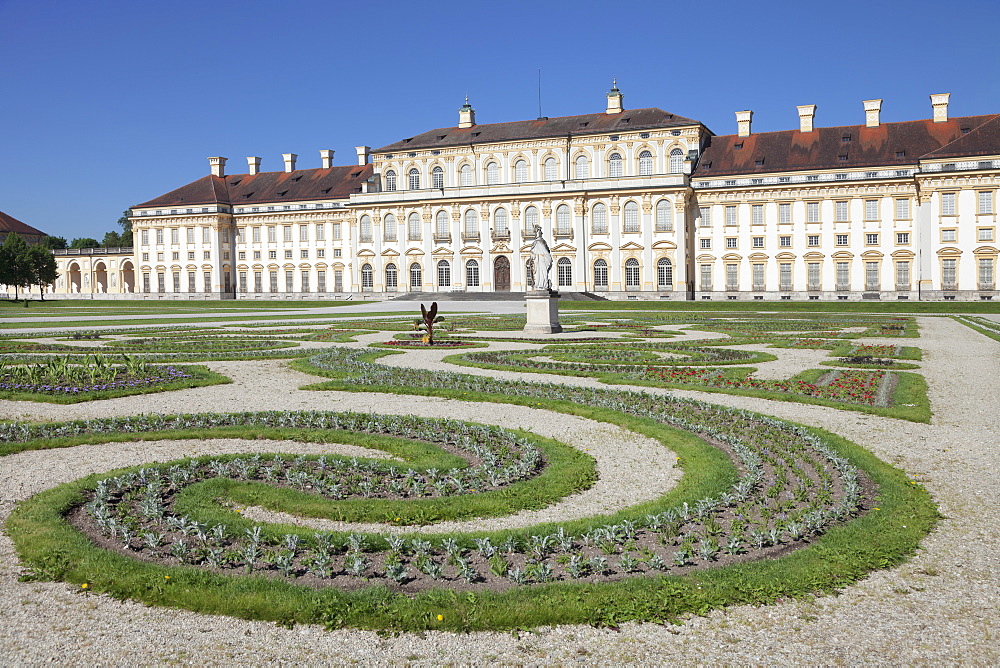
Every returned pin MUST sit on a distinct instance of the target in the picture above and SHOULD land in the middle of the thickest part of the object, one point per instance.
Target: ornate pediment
(664, 244)
(630, 246)
(389, 252)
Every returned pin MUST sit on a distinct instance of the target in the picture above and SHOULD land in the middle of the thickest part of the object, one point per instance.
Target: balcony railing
(470, 237)
(732, 287)
(563, 233)
(111, 250)
(814, 287)
(500, 234)
(902, 287)
(987, 286)
(949, 286)
(785, 287)
(873, 287)
(758, 287)
(446, 238)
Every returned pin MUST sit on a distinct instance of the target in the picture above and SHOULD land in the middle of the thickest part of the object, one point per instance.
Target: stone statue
(541, 259)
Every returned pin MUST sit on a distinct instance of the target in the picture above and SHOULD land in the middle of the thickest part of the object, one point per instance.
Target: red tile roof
(587, 124)
(983, 140)
(11, 224)
(841, 147)
(270, 187)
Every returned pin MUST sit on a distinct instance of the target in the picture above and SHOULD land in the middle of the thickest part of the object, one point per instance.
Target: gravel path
(941, 607)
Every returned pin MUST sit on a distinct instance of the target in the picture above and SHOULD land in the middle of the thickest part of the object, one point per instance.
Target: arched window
(530, 220)
(471, 223)
(472, 274)
(389, 224)
(676, 161)
(631, 274)
(564, 272)
(492, 174)
(615, 165)
(664, 216)
(390, 180)
(367, 277)
(599, 218)
(437, 178)
(444, 274)
(664, 274)
(441, 225)
(562, 219)
(414, 177)
(631, 217)
(413, 226)
(645, 163)
(582, 170)
(416, 276)
(520, 171)
(391, 277)
(366, 228)
(466, 175)
(500, 222)
(551, 169)
(600, 274)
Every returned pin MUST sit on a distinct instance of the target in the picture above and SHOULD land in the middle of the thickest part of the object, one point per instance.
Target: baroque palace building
(636, 204)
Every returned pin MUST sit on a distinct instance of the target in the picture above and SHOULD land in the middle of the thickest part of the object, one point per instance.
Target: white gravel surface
(942, 607)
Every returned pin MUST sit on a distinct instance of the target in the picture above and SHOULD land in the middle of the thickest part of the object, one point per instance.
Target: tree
(112, 239)
(15, 269)
(126, 224)
(53, 243)
(84, 242)
(43, 268)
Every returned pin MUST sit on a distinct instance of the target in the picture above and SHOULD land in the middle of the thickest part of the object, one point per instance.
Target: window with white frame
(304, 253)
(730, 215)
(632, 274)
(949, 235)
(871, 238)
(949, 273)
(599, 218)
(255, 235)
(159, 235)
(812, 275)
(985, 201)
(413, 176)
(948, 204)
(258, 281)
(367, 277)
(732, 276)
(390, 181)
(732, 242)
(564, 272)
(902, 238)
(391, 277)
(784, 212)
(843, 275)
(757, 214)
(840, 212)
(492, 173)
(273, 281)
(413, 226)
(645, 163)
(530, 220)
(287, 232)
(785, 241)
(664, 274)
(416, 280)
(902, 274)
(812, 212)
(366, 228)
(841, 239)
(272, 234)
(336, 231)
(757, 242)
(472, 274)
(630, 218)
(871, 209)
(601, 274)
(145, 240)
(676, 161)
(872, 281)
(521, 171)
(706, 277)
(664, 216)
(500, 222)
(471, 223)
(562, 219)
(289, 281)
(705, 216)
(465, 175)
(444, 274)
(902, 209)
(705, 243)
(190, 235)
(389, 227)
(551, 169)
(985, 234)
(986, 273)
(437, 178)
(785, 276)
(581, 168)
(174, 238)
(304, 277)
(758, 276)
(441, 224)
(812, 240)
(615, 165)
(303, 233)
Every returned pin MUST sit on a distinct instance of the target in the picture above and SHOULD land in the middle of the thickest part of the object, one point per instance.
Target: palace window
(581, 168)
(471, 223)
(390, 181)
(730, 215)
(872, 279)
(758, 276)
(564, 272)
(472, 274)
(500, 222)
(843, 275)
(159, 235)
(615, 165)
(600, 274)
(303, 233)
(416, 280)
(757, 242)
(465, 175)
(706, 277)
(871, 209)
(367, 277)
(444, 274)
(812, 275)
(812, 212)
(949, 273)
(812, 240)
(413, 176)
(949, 235)
(985, 201)
(520, 171)
(948, 204)
(732, 276)
(732, 242)
(599, 217)
(840, 212)
(287, 231)
(705, 244)
(664, 216)
(563, 219)
(389, 227)
(664, 274)
(256, 235)
(902, 274)
(391, 277)
(492, 174)
(986, 273)
(871, 238)
(437, 178)
(413, 226)
(289, 281)
(530, 220)
(366, 228)
(841, 239)
(985, 234)
(271, 234)
(785, 241)
(631, 217)
(320, 232)
(551, 170)
(757, 214)
(676, 161)
(785, 276)
(304, 276)
(632, 274)
(902, 209)
(320, 280)
(705, 216)
(784, 212)
(645, 163)
(902, 238)
(441, 224)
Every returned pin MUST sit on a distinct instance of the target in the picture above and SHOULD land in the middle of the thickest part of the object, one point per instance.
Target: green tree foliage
(84, 242)
(112, 239)
(42, 264)
(53, 243)
(126, 224)
(15, 270)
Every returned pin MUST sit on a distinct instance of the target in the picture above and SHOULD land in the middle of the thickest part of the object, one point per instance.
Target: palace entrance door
(501, 274)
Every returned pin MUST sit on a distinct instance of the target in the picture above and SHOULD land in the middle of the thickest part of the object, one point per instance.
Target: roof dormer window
(759, 162)
(738, 146)
(846, 139)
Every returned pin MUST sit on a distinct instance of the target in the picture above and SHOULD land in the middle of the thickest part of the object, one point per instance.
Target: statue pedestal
(543, 312)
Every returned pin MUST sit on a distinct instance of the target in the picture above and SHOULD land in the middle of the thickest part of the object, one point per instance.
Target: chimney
(466, 115)
(743, 119)
(326, 155)
(289, 161)
(362, 154)
(939, 103)
(806, 114)
(254, 164)
(872, 110)
(218, 166)
(615, 99)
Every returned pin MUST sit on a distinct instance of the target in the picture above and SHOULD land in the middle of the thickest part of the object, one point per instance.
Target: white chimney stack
(872, 110)
(807, 113)
(743, 119)
(253, 164)
(363, 154)
(218, 166)
(290, 159)
(466, 115)
(326, 155)
(939, 103)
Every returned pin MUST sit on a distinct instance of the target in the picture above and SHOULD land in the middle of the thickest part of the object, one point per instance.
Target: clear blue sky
(108, 104)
